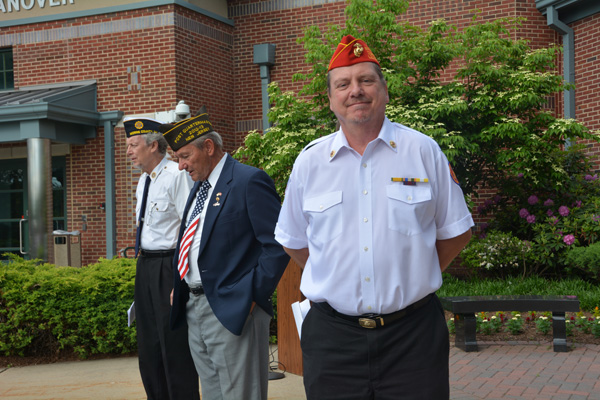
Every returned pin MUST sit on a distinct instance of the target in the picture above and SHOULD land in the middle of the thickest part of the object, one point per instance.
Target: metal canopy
(63, 113)
(569, 10)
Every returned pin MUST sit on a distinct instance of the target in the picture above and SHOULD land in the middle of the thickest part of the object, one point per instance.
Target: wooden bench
(466, 307)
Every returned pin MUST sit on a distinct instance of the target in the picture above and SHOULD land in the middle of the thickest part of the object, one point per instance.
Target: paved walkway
(497, 371)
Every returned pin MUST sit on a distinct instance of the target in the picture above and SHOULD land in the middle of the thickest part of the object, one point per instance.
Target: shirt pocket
(325, 216)
(407, 207)
(158, 212)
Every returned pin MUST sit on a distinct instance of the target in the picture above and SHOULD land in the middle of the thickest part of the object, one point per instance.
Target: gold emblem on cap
(138, 124)
(358, 49)
(332, 153)
(393, 144)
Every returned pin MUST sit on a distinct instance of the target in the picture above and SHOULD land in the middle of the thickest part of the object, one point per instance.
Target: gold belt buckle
(367, 323)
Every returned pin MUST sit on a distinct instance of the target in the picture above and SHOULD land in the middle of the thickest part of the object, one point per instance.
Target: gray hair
(214, 136)
(159, 139)
(377, 70)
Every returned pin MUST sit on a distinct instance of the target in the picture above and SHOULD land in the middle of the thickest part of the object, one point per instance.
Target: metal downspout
(110, 119)
(568, 58)
(264, 56)
(265, 79)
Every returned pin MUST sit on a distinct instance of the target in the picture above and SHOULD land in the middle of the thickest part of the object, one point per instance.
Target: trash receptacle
(67, 248)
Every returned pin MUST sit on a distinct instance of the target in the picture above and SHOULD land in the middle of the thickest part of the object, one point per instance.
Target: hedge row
(45, 308)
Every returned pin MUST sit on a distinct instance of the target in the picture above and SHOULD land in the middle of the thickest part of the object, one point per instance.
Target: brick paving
(525, 370)
(499, 370)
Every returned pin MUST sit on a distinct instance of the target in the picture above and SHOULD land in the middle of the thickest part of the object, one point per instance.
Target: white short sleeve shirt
(371, 222)
(167, 195)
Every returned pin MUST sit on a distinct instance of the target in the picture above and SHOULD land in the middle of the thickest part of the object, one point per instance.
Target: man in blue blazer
(227, 263)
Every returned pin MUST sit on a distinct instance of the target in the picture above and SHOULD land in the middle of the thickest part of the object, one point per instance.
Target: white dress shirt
(167, 195)
(371, 237)
(193, 276)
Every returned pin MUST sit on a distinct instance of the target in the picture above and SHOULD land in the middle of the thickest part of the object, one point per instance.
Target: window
(7, 75)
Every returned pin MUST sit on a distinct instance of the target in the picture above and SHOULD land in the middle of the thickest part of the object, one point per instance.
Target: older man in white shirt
(166, 365)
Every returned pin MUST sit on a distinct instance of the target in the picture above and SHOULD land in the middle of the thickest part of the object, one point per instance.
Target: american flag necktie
(188, 235)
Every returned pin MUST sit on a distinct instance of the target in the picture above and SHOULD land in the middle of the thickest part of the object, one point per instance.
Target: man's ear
(210, 146)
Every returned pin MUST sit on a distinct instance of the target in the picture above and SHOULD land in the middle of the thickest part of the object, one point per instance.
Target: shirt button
(364, 165)
(320, 207)
(409, 198)
(365, 220)
(365, 191)
(369, 308)
(367, 279)
(366, 248)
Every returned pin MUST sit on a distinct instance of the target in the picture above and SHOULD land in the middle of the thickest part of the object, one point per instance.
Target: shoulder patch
(453, 175)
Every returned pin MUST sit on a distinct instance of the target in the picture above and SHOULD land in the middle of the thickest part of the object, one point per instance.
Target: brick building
(70, 70)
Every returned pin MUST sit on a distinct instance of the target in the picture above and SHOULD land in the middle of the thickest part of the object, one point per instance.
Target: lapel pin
(218, 198)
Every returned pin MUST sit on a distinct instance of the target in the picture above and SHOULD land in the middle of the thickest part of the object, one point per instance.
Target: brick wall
(137, 71)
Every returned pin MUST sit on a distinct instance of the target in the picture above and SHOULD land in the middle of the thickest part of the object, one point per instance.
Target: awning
(63, 113)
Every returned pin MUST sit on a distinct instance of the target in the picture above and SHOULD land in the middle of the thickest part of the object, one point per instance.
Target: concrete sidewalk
(497, 371)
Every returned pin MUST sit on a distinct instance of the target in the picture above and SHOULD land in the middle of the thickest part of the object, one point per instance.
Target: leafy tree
(481, 93)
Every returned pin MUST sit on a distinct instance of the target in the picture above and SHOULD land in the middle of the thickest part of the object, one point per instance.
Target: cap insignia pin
(358, 49)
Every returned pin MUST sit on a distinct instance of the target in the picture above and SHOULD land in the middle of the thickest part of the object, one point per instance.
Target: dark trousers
(166, 365)
(405, 360)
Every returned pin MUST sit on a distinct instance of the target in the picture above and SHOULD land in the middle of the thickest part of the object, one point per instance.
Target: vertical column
(39, 168)
(109, 189)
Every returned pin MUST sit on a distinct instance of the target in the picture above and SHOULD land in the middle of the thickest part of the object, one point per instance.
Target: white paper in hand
(131, 314)
(300, 309)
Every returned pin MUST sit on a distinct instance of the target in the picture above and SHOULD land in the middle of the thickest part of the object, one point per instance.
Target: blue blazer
(240, 261)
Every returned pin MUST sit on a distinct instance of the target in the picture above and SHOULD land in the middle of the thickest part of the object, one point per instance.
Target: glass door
(13, 204)
(14, 234)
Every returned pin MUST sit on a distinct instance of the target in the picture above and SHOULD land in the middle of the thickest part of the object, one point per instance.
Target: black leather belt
(197, 291)
(157, 253)
(371, 321)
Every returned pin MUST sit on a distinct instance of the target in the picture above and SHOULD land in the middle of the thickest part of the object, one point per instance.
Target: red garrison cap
(351, 51)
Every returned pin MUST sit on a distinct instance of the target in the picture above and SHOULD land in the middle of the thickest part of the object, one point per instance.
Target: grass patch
(587, 293)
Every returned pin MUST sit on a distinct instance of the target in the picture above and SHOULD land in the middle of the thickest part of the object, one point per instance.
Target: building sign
(17, 12)
(9, 6)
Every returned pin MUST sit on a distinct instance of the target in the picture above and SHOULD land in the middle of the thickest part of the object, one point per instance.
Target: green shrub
(45, 308)
(499, 254)
(586, 259)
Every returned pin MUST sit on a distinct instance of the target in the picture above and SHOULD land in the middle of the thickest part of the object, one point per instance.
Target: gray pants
(230, 367)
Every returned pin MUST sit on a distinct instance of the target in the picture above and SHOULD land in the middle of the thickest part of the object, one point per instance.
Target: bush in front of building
(46, 309)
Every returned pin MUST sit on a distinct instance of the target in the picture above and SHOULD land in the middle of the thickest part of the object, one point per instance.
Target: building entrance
(14, 224)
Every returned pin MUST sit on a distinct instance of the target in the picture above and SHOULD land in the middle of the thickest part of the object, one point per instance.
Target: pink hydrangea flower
(523, 213)
(549, 203)
(563, 211)
(569, 239)
(533, 199)
(531, 218)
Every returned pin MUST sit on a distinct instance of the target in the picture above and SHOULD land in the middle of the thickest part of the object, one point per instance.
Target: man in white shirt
(373, 214)
(166, 365)
(228, 264)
